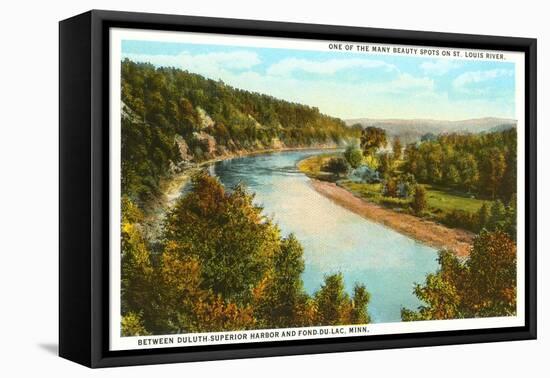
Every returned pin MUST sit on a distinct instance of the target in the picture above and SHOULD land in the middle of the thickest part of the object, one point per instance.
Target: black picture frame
(84, 186)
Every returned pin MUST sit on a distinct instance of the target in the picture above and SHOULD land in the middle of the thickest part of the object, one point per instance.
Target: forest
(172, 117)
(481, 164)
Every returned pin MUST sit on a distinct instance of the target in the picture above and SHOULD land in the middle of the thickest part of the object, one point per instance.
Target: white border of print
(116, 342)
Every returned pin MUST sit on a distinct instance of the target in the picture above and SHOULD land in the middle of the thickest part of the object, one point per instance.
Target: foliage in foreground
(223, 266)
(483, 286)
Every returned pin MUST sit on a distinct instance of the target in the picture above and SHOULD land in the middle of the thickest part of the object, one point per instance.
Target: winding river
(334, 238)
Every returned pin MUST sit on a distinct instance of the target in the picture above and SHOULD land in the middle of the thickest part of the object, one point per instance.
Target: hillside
(412, 130)
(172, 118)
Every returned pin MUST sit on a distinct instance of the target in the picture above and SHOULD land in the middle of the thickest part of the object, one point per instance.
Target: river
(334, 238)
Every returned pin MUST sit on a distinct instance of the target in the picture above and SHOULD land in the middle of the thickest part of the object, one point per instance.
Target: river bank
(425, 231)
(172, 186)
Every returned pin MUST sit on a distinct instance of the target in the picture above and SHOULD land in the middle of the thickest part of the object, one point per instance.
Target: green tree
(434, 158)
(509, 179)
(390, 187)
(482, 286)
(410, 157)
(441, 298)
(452, 176)
(185, 306)
(497, 218)
(441, 293)
(225, 254)
(136, 268)
(397, 148)
(492, 275)
(468, 170)
(337, 166)
(510, 225)
(333, 303)
(280, 300)
(353, 155)
(359, 311)
(385, 166)
(132, 325)
(372, 138)
(494, 166)
(483, 216)
(420, 201)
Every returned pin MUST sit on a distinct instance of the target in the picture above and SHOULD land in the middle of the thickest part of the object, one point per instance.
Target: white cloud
(210, 62)
(331, 66)
(438, 67)
(464, 83)
(407, 82)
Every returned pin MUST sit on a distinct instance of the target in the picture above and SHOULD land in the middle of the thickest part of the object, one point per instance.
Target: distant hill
(411, 130)
(171, 118)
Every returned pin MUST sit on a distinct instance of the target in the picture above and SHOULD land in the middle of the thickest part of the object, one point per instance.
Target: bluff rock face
(172, 117)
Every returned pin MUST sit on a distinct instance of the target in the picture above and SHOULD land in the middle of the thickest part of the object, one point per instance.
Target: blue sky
(348, 85)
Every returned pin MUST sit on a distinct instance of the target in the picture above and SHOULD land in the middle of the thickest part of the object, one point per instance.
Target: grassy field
(367, 191)
(441, 201)
(373, 193)
(446, 200)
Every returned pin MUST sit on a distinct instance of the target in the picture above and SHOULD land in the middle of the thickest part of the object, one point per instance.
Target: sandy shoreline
(431, 233)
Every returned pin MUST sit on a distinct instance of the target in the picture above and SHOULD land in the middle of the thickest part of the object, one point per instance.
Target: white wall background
(29, 189)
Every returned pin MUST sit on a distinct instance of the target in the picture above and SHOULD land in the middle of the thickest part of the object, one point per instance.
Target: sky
(345, 84)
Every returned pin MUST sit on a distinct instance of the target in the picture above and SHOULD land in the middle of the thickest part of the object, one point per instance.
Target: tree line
(497, 216)
(476, 165)
(482, 164)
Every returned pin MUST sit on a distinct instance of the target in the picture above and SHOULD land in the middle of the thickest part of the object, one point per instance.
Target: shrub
(419, 202)
(337, 166)
(354, 156)
(461, 219)
(390, 187)
(395, 202)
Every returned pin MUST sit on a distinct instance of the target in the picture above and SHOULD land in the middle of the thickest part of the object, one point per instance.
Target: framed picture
(234, 188)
